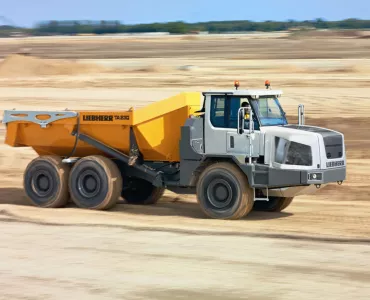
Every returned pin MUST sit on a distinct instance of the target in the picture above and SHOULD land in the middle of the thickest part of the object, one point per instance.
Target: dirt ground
(319, 248)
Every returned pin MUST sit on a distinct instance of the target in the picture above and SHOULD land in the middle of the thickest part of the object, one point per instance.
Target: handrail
(31, 116)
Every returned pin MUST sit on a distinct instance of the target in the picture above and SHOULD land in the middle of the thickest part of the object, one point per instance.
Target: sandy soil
(321, 243)
(77, 262)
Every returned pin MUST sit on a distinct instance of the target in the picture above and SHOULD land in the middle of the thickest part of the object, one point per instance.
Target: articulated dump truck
(233, 148)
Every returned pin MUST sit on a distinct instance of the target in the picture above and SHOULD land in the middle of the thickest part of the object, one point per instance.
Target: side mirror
(300, 114)
(241, 114)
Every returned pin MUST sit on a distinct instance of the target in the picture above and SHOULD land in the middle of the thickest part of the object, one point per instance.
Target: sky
(29, 12)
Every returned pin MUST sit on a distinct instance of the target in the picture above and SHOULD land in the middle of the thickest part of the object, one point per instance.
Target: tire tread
(114, 182)
(63, 170)
(247, 193)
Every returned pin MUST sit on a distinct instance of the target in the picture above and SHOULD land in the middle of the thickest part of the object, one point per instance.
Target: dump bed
(157, 128)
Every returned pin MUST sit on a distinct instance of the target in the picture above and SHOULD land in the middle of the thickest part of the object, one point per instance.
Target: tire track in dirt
(7, 216)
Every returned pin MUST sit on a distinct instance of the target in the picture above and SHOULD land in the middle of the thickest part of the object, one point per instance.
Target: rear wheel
(275, 204)
(140, 191)
(45, 182)
(95, 182)
(223, 192)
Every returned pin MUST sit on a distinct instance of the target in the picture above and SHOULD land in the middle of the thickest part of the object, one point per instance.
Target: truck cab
(249, 129)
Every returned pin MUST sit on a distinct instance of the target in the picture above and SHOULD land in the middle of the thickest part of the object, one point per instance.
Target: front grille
(333, 146)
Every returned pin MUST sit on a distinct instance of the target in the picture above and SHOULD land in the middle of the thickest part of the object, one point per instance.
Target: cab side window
(218, 111)
(224, 112)
(233, 114)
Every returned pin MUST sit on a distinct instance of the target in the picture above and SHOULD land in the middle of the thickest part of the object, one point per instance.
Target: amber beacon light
(267, 84)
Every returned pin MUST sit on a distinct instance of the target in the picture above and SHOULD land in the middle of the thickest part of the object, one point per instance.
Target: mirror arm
(251, 123)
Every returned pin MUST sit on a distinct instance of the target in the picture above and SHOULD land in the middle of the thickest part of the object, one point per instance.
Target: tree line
(114, 27)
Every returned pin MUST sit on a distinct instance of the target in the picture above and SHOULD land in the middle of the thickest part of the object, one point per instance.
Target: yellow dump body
(157, 128)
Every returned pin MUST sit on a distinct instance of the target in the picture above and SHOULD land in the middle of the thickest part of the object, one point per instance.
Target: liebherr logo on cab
(333, 164)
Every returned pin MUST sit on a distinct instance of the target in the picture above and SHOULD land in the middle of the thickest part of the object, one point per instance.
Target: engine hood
(291, 133)
(333, 140)
(327, 145)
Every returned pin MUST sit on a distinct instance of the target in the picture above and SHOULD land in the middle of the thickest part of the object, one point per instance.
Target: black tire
(275, 204)
(140, 191)
(235, 197)
(45, 182)
(95, 183)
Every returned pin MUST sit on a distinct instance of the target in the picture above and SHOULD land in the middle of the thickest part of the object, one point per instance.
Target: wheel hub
(89, 183)
(42, 183)
(219, 193)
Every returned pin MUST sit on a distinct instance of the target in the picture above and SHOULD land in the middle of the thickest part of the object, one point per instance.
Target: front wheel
(223, 192)
(275, 204)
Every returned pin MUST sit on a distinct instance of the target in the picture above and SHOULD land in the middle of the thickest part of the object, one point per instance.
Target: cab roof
(253, 93)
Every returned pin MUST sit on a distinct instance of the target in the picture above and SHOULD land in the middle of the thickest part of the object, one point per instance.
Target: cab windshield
(266, 111)
(269, 111)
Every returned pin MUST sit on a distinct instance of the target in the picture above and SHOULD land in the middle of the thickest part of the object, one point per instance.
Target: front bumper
(327, 176)
(263, 176)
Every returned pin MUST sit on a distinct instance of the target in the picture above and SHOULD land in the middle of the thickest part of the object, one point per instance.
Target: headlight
(292, 153)
(281, 146)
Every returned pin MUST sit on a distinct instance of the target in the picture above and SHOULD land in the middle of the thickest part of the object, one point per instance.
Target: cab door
(216, 125)
(244, 144)
(236, 143)
(221, 136)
